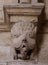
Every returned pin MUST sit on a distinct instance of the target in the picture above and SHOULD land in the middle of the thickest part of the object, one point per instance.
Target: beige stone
(43, 55)
(5, 39)
(5, 53)
(22, 62)
(23, 18)
(5, 2)
(34, 1)
(3, 63)
(24, 1)
(46, 8)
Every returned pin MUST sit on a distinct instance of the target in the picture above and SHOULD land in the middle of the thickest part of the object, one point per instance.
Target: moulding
(8, 11)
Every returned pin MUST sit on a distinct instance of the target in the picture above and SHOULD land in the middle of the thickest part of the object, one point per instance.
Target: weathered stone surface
(24, 26)
(46, 8)
(21, 62)
(3, 63)
(5, 39)
(5, 53)
(5, 2)
(23, 18)
(24, 30)
(25, 1)
(43, 55)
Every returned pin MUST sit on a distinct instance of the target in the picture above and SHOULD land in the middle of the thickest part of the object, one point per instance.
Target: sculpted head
(23, 39)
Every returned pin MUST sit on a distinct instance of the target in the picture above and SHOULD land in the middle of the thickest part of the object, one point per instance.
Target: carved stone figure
(24, 34)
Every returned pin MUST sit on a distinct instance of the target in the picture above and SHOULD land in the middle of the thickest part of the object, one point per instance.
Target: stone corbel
(34, 9)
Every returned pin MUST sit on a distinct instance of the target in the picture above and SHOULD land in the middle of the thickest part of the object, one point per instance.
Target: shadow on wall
(41, 1)
(40, 31)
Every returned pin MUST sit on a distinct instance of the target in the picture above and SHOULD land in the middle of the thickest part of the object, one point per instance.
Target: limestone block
(3, 63)
(1, 2)
(14, 2)
(5, 53)
(34, 1)
(1, 11)
(28, 1)
(21, 62)
(43, 55)
(24, 1)
(10, 2)
(23, 18)
(1, 20)
(46, 8)
(7, 2)
(5, 38)
(1, 14)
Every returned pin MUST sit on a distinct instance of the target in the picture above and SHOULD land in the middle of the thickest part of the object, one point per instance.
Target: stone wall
(46, 8)
(5, 2)
(43, 54)
(43, 43)
(43, 36)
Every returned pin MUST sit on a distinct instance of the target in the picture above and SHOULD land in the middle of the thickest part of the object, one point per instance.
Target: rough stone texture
(22, 18)
(3, 63)
(21, 62)
(24, 26)
(24, 30)
(6, 50)
(43, 55)
(5, 39)
(7, 2)
(24, 1)
(5, 53)
(46, 8)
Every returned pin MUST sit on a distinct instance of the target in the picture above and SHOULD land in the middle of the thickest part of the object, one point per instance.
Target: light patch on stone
(3, 63)
(5, 53)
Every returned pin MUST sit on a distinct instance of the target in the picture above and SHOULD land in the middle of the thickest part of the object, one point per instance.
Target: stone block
(3, 63)
(46, 8)
(5, 53)
(23, 18)
(43, 55)
(5, 37)
(25, 1)
(21, 62)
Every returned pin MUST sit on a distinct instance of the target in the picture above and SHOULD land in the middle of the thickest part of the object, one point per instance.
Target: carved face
(24, 40)
(23, 46)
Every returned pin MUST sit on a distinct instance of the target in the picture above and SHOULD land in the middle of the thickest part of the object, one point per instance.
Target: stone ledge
(4, 27)
(33, 5)
(33, 9)
(38, 5)
(3, 63)
(5, 53)
(16, 62)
